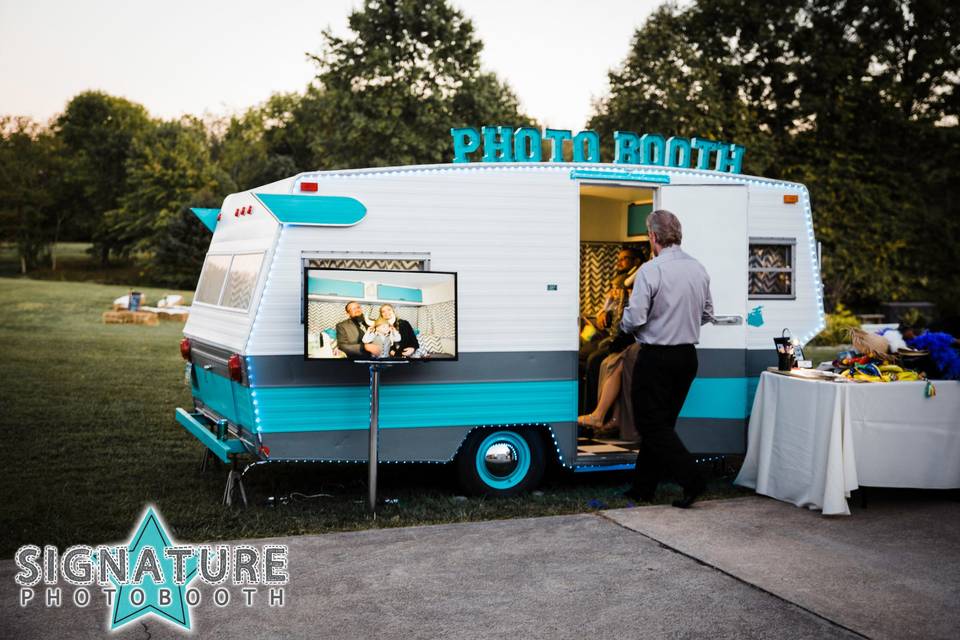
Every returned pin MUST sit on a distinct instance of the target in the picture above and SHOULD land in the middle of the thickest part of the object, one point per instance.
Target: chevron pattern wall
(597, 263)
(770, 269)
(366, 263)
(437, 319)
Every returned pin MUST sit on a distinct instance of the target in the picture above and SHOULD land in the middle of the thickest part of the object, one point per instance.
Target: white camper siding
(507, 234)
(770, 217)
(253, 233)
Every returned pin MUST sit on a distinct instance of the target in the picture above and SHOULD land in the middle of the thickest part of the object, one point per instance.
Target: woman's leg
(608, 395)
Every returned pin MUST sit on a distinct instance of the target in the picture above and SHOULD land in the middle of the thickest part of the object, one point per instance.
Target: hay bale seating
(131, 317)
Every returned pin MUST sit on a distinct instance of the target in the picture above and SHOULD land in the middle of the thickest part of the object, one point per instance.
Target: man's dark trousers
(662, 377)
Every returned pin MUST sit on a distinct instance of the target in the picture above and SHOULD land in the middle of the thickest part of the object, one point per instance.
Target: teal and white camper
(532, 245)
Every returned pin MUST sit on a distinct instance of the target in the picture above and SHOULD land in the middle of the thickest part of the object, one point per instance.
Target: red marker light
(265, 450)
(235, 369)
(236, 214)
(185, 349)
(218, 216)
(309, 186)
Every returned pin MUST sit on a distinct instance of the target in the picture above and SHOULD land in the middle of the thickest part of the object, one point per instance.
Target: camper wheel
(501, 462)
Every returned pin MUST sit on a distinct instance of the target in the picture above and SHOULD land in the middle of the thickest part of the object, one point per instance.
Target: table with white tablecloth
(812, 442)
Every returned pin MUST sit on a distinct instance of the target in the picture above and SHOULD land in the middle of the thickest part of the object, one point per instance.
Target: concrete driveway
(744, 568)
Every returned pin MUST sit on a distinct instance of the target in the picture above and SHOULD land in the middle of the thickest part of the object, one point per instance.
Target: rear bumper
(206, 432)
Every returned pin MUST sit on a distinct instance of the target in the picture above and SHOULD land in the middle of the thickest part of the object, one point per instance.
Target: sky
(211, 57)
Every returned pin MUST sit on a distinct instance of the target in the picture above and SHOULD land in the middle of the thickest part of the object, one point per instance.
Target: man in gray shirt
(670, 302)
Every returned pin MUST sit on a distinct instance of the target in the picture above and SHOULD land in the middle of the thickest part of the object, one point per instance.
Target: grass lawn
(86, 411)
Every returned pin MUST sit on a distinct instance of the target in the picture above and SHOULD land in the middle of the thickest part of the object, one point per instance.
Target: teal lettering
(556, 138)
(526, 145)
(497, 144)
(465, 140)
(586, 147)
(626, 149)
(678, 152)
(652, 149)
(704, 149)
(729, 157)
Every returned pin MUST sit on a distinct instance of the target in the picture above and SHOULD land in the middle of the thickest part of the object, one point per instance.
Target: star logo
(162, 597)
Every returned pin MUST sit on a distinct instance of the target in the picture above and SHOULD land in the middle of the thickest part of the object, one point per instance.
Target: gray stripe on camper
(440, 444)
(713, 435)
(759, 359)
(427, 444)
(492, 366)
(294, 371)
(721, 363)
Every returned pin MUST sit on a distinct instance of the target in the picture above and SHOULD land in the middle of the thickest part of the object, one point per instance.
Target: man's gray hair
(667, 227)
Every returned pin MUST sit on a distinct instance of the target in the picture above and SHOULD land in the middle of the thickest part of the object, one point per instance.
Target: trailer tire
(501, 462)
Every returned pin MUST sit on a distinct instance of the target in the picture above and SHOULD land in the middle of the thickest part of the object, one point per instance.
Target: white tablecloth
(812, 442)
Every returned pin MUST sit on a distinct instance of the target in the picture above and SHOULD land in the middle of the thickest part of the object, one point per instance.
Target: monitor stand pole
(374, 439)
(374, 433)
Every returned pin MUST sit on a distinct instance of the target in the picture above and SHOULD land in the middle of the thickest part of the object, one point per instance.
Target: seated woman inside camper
(408, 343)
(614, 377)
(616, 380)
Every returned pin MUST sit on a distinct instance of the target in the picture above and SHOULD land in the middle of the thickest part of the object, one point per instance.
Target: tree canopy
(391, 90)
(858, 100)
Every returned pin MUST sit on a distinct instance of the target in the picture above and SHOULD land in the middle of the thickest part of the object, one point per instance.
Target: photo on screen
(361, 314)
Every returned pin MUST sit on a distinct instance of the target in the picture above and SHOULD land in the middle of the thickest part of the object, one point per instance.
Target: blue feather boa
(944, 355)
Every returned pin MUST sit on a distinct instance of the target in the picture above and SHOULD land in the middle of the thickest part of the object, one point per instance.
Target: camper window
(771, 268)
(241, 281)
(211, 279)
(229, 281)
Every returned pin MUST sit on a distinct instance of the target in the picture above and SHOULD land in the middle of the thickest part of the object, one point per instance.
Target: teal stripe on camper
(717, 398)
(416, 405)
(630, 176)
(229, 399)
(318, 210)
(290, 409)
(207, 216)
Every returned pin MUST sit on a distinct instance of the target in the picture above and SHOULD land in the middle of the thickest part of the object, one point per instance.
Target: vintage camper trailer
(532, 246)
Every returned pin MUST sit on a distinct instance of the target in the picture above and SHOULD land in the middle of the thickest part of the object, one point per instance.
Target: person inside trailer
(350, 333)
(383, 335)
(607, 320)
(408, 343)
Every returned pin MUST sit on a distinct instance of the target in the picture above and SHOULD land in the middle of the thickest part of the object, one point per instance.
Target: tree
(244, 151)
(30, 165)
(389, 93)
(170, 169)
(98, 132)
(856, 100)
(291, 122)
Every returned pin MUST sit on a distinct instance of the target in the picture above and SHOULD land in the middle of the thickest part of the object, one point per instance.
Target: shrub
(838, 327)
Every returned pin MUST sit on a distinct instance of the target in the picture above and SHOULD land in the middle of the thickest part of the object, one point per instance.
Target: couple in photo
(387, 337)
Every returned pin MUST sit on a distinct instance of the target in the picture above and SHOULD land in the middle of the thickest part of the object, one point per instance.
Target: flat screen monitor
(367, 314)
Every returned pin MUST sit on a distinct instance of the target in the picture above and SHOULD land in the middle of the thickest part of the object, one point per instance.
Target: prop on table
(943, 352)
(873, 370)
(854, 365)
(870, 344)
(784, 345)
(894, 338)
